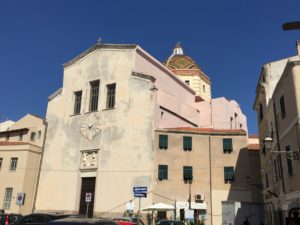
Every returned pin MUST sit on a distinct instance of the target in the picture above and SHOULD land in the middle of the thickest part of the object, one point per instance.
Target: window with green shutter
(187, 173)
(228, 173)
(227, 145)
(187, 143)
(163, 172)
(163, 141)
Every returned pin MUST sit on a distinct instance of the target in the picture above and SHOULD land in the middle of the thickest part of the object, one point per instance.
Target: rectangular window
(227, 145)
(39, 134)
(228, 173)
(187, 82)
(163, 141)
(187, 143)
(77, 102)
(163, 172)
(7, 198)
(261, 112)
(1, 160)
(20, 135)
(282, 107)
(263, 150)
(32, 136)
(111, 95)
(187, 173)
(289, 162)
(267, 180)
(13, 164)
(94, 95)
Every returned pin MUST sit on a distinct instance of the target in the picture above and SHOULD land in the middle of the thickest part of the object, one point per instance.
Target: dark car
(170, 222)
(82, 221)
(40, 218)
(6, 218)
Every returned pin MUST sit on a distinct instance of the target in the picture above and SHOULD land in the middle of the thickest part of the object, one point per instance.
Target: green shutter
(162, 172)
(187, 173)
(227, 145)
(187, 143)
(163, 141)
(228, 173)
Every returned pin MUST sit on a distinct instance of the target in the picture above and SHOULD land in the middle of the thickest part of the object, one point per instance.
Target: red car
(121, 222)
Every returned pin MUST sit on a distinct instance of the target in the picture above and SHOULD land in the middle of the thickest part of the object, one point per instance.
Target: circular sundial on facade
(90, 127)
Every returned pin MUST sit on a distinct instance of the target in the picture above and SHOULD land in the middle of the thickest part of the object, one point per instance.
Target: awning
(158, 206)
(194, 205)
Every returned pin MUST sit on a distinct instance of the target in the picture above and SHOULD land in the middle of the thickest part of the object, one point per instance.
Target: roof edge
(98, 46)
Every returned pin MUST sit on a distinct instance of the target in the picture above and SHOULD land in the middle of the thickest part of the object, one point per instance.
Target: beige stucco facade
(23, 142)
(278, 116)
(207, 158)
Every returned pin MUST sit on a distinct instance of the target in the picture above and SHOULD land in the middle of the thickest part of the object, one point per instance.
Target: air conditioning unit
(199, 198)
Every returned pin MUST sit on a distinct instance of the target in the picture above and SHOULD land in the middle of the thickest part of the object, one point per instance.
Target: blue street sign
(140, 195)
(140, 190)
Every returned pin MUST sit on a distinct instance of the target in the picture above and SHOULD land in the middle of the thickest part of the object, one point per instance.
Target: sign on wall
(20, 200)
(88, 197)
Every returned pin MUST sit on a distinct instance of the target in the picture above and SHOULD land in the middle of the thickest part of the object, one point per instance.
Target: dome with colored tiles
(180, 61)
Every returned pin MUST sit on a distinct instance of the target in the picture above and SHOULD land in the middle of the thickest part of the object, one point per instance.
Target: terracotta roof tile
(207, 130)
(14, 143)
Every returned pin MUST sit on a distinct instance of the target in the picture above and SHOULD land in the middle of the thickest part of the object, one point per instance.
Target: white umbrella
(158, 206)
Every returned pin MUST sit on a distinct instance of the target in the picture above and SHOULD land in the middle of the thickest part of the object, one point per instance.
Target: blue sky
(230, 40)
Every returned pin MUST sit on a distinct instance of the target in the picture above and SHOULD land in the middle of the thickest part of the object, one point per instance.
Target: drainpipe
(210, 176)
(210, 179)
(40, 166)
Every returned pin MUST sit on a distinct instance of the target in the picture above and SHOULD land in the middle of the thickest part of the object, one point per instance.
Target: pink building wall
(175, 101)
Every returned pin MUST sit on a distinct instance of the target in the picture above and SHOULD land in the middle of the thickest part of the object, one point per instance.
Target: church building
(123, 120)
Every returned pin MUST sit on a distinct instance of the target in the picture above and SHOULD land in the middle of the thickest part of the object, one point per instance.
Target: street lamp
(291, 25)
(268, 143)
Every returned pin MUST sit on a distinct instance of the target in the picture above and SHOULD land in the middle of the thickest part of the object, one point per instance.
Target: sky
(230, 40)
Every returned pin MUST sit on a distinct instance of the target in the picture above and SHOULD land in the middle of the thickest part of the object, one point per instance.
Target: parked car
(82, 221)
(6, 218)
(170, 222)
(130, 220)
(40, 218)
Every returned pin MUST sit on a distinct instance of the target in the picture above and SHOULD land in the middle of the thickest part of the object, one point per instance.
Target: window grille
(13, 164)
(111, 95)
(94, 95)
(77, 102)
(7, 198)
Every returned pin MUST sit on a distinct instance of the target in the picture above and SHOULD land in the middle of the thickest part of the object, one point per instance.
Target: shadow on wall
(245, 201)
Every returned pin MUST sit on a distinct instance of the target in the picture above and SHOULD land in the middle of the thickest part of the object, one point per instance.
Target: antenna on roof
(100, 41)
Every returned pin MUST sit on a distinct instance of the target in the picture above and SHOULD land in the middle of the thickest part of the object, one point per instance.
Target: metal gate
(87, 186)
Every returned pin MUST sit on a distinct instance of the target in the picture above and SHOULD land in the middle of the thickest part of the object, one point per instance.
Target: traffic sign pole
(87, 210)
